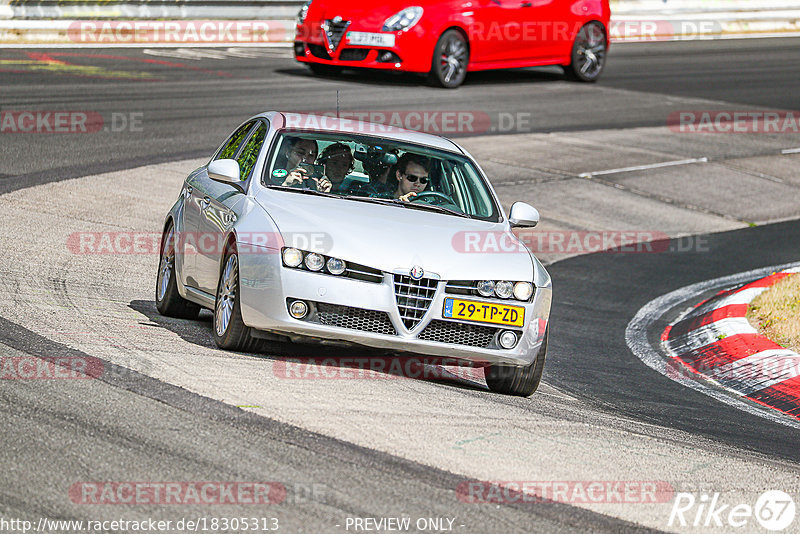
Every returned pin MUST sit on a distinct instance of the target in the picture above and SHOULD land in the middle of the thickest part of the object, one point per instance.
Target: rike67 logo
(774, 510)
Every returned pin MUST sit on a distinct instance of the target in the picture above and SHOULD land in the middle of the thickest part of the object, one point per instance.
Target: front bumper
(366, 313)
(412, 51)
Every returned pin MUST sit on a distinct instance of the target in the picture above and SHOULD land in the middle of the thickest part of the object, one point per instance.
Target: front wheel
(230, 332)
(588, 53)
(515, 380)
(450, 60)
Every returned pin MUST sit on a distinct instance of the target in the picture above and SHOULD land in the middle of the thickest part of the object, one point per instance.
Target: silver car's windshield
(364, 167)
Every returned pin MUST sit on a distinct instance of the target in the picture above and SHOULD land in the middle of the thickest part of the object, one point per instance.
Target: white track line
(790, 151)
(641, 324)
(711, 333)
(644, 167)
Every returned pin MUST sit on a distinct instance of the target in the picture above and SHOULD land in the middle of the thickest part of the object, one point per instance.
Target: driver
(411, 176)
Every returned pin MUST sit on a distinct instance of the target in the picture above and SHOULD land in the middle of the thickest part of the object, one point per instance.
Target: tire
(450, 60)
(588, 57)
(230, 332)
(168, 301)
(324, 70)
(516, 380)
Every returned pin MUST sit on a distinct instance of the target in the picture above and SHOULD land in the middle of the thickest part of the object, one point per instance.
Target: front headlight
(504, 289)
(301, 15)
(292, 257)
(314, 261)
(404, 20)
(336, 266)
(523, 290)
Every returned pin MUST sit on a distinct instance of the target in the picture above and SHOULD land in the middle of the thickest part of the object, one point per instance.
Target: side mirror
(224, 170)
(523, 215)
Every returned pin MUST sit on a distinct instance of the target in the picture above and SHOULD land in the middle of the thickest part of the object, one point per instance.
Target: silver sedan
(303, 228)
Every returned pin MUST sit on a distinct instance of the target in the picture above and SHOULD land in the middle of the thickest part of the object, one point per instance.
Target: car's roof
(325, 123)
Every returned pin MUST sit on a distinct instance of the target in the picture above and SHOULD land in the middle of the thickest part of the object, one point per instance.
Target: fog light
(504, 289)
(486, 288)
(336, 266)
(292, 257)
(388, 56)
(299, 48)
(508, 339)
(315, 262)
(523, 290)
(298, 309)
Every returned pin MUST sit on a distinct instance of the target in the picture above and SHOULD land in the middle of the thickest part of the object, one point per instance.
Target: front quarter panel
(258, 243)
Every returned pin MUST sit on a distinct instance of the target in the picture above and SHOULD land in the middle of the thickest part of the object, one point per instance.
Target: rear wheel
(168, 300)
(515, 380)
(230, 332)
(450, 60)
(588, 53)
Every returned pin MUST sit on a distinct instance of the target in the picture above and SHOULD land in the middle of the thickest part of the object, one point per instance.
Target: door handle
(526, 4)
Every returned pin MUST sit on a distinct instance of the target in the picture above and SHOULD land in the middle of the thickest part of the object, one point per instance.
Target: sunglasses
(413, 178)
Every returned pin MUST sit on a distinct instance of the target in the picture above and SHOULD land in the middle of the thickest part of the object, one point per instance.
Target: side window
(229, 150)
(249, 154)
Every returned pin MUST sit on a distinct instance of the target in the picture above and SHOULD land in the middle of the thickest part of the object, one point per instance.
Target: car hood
(395, 238)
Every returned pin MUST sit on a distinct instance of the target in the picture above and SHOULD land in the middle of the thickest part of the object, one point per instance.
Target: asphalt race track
(169, 406)
(188, 104)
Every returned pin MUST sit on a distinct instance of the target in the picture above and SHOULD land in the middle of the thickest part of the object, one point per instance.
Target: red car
(448, 38)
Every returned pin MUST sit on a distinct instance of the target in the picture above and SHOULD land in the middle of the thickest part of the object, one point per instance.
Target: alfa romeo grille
(353, 318)
(334, 31)
(458, 333)
(414, 297)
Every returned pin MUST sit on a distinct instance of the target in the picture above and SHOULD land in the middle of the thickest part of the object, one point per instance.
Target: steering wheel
(434, 197)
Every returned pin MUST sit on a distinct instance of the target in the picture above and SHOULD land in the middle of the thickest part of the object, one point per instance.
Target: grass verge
(776, 313)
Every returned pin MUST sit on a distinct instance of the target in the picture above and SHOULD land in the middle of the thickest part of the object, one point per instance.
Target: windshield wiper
(425, 206)
(304, 191)
(396, 202)
(373, 200)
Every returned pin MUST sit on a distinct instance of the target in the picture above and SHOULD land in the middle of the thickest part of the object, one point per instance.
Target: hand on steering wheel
(443, 199)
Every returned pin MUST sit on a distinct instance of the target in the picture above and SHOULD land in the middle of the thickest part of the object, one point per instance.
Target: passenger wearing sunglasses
(411, 175)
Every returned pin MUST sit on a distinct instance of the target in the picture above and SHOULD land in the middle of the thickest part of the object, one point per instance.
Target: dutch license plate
(484, 312)
(370, 39)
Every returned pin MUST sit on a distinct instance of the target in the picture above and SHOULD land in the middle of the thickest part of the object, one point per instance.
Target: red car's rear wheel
(450, 60)
(588, 53)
